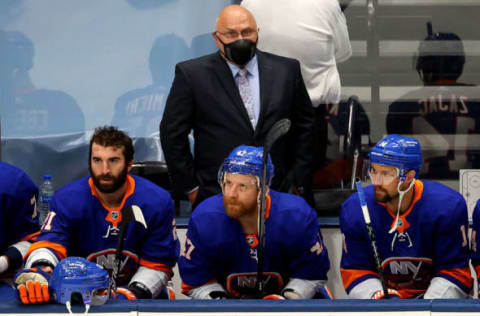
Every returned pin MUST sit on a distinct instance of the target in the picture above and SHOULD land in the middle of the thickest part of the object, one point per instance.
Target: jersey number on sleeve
(47, 225)
(189, 247)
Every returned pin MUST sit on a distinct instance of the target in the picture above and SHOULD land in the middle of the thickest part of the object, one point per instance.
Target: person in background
(234, 97)
(315, 33)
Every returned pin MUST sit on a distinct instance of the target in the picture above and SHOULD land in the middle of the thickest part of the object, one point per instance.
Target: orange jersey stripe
(351, 275)
(187, 288)
(418, 191)
(130, 190)
(60, 251)
(268, 202)
(156, 266)
(31, 237)
(410, 293)
(461, 274)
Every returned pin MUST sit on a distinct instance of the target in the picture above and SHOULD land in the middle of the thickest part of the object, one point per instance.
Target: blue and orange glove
(324, 293)
(133, 292)
(32, 286)
(392, 294)
(124, 294)
(168, 293)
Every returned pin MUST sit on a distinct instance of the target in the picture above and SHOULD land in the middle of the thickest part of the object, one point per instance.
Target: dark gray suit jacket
(204, 97)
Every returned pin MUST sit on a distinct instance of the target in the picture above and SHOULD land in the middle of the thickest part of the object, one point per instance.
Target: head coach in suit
(233, 97)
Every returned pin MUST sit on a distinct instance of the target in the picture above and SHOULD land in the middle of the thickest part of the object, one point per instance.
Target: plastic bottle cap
(47, 177)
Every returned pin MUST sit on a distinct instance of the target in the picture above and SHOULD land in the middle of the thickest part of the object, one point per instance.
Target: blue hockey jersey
(430, 241)
(475, 239)
(217, 250)
(18, 213)
(80, 224)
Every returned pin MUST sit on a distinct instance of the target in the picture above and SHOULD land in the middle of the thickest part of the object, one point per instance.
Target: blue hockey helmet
(78, 275)
(401, 152)
(246, 160)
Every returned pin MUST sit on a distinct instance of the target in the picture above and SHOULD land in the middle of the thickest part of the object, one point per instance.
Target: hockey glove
(125, 294)
(323, 293)
(32, 286)
(167, 293)
(392, 294)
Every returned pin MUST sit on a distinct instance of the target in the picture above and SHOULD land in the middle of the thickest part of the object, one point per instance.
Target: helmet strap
(401, 194)
(69, 308)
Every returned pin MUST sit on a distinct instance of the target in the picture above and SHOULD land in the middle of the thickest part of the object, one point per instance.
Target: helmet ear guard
(79, 279)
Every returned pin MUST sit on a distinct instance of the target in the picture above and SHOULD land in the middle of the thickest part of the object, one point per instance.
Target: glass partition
(67, 67)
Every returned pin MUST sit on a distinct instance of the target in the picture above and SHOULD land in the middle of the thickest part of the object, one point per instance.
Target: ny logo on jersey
(111, 230)
(405, 267)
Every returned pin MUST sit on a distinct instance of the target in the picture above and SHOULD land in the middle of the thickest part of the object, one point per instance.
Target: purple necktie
(246, 94)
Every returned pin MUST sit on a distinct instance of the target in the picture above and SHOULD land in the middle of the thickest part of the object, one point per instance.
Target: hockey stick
(371, 236)
(279, 129)
(129, 213)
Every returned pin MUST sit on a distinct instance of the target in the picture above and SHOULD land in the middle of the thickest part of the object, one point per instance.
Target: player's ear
(410, 176)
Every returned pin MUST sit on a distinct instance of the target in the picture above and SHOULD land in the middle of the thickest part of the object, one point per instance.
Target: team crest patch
(115, 215)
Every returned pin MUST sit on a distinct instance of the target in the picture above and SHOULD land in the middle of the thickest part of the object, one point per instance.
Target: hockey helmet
(78, 276)
(441, 55)
(167, 50)
(246, 160)
(19, 50)
(403, 153)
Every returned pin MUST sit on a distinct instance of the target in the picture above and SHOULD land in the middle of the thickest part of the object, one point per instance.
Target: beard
(382, 195)
(115, 182)
(236, 209)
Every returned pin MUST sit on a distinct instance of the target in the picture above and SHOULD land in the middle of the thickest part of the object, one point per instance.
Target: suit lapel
(265, 73)
(225, 77)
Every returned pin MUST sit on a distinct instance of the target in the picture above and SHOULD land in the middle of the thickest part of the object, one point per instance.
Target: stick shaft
(371, 236)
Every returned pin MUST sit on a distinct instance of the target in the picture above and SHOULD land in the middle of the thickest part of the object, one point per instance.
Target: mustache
(378, 187)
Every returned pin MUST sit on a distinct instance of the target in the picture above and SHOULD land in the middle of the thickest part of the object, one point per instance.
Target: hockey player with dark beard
(420, 228)
(84, 221)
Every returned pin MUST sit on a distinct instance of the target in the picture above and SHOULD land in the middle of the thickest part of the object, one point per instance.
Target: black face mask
(240, 51)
